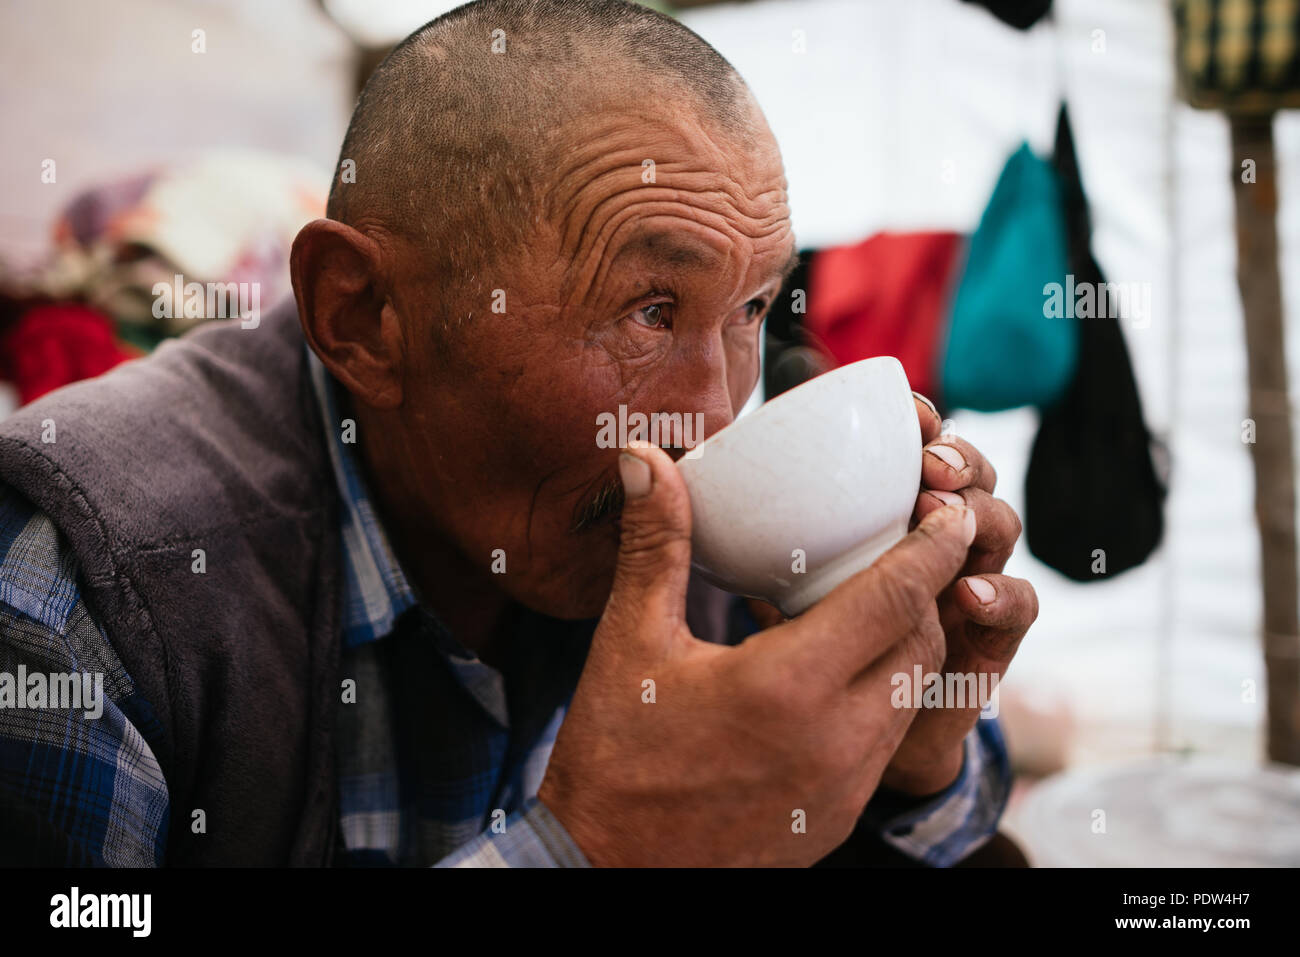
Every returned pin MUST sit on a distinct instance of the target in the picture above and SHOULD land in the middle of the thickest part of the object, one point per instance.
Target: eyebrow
(689, 254)
(790, 266)
(672, 249)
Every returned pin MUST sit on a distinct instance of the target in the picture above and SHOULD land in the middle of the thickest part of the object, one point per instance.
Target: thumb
(654, 555)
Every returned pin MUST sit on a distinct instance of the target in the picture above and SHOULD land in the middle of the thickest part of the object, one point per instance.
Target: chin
(582, 592)
(574, 602)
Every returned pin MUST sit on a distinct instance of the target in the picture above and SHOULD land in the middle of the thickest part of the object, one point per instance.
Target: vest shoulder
(216, 430)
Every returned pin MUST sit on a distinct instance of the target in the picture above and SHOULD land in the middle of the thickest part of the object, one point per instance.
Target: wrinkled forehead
(635, 171)
(662, 121)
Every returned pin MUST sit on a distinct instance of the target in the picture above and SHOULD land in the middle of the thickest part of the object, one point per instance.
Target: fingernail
(969, 526)
(948, 455)
(635, 475)
(928, 403)
(982, 589)
(948, 498)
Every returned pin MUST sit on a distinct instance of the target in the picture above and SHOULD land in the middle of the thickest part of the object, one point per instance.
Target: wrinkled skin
(488, 441)
(644, 295)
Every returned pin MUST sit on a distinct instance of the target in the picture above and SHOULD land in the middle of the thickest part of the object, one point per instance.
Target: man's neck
(465, 599)
(478, 615)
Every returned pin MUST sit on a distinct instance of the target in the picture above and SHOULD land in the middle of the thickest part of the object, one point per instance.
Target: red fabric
(51, 346)
(887, 296)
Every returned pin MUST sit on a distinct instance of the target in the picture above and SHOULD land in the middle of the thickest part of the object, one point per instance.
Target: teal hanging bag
(1007, 346)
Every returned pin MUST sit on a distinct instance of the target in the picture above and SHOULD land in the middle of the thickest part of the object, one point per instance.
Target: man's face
(646, 295)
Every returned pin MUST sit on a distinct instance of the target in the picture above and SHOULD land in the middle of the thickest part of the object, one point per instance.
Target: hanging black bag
(1093, 499)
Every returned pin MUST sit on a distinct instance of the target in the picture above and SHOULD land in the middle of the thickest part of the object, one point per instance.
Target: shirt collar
(376, 592)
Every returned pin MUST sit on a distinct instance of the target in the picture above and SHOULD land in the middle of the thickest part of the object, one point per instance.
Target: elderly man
(362, 585)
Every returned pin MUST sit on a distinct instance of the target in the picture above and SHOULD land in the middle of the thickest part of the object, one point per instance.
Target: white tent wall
(110, 89)
(888, 98)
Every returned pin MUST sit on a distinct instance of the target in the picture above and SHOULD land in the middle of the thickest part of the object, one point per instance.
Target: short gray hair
(449, 140)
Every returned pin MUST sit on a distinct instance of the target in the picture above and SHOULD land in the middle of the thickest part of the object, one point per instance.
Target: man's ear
(345, 310)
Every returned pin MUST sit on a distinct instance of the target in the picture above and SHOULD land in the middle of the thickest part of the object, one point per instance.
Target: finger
(865, 615)
(967, 675)
(951, 463)
(654, 555)
(931, 423)
(999, 610)
(871, 698)
(997, 526)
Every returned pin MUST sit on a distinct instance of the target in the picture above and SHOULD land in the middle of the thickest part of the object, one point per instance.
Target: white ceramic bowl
(808, 489)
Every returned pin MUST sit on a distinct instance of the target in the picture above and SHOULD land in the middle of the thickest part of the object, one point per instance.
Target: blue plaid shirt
(440, 755)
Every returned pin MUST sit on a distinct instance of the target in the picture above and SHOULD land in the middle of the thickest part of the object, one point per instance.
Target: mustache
(596, 509)
(606, 499)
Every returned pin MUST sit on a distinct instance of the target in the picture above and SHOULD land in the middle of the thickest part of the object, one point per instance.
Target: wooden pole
(1275, 498)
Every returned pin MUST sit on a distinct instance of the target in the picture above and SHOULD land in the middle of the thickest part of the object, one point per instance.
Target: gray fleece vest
(215, 443)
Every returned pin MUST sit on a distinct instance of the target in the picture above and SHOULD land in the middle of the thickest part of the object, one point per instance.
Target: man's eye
(653, 317)
(754, 310)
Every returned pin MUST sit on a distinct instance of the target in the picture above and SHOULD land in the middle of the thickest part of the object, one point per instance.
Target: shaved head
(458, 135)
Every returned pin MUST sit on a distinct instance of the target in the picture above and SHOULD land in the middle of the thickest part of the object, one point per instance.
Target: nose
(703, 394)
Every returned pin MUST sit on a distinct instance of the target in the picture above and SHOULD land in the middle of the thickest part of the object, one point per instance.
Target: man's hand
(680, 752)
(984, 613)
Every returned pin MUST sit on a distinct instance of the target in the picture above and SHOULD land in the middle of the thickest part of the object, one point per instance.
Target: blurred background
(937, 191)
